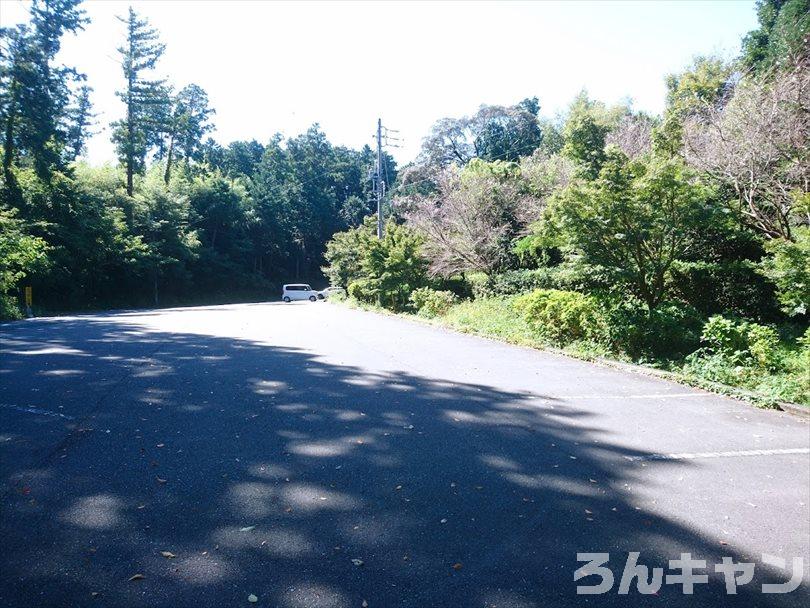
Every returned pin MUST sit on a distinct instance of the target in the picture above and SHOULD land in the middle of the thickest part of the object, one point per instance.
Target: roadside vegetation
(679, 241)
(176, 217)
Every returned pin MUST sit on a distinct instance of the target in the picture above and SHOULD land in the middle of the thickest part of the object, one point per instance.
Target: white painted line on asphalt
(651, 396)
(697, 455)
(35, 410)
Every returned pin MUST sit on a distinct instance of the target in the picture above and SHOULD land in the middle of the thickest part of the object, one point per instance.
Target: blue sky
(278, 67)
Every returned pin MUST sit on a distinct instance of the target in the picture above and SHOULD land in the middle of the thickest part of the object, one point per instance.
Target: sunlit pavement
(312, 455)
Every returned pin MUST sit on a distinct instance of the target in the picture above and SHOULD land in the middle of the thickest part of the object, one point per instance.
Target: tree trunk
(130, 135)
(168, 174)
(8, 144)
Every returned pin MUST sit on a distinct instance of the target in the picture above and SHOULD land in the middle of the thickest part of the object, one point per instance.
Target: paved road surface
(267, 446)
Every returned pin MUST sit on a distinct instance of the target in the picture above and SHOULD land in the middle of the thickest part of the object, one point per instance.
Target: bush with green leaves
(344, 253)
(635, 219)
(735, 287)
(789, 268)
(431, 302)
(573, 275)
(19, 254)
(363, 290)
(742, 342)
(666, 332)
(512, 282)
(559, 316)
(378, 271)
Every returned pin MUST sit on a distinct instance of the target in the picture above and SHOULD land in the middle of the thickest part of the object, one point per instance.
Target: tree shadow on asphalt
(266, 471)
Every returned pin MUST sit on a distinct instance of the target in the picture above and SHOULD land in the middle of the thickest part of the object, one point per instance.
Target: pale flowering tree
(470, 222)
(543, 174)
(758, 145)
(632, 135)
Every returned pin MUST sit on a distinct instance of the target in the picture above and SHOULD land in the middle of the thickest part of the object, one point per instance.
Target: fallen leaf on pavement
(457, 566)
(159, 480)
(168, 554)
(357, 562)
(247, 528)
(137, 577)
(252, 599)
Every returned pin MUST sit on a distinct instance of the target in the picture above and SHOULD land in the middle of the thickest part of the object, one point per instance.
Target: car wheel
(313, 299)
(320, 296)
(286, 299)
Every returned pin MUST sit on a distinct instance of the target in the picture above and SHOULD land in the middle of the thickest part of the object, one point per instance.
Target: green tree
(788, 267)
(172, 243)
(508, 133)
(35, 95)
(187, 126)
(703, 85)
(145, 100)
(584, 134)
(492, 133)
(80, 121)
(782, 36)
(634, 219)
(394, 266)
(20, 253)
(345, 251)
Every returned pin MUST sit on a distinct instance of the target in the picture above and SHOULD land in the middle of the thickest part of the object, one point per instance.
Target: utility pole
(378, 181)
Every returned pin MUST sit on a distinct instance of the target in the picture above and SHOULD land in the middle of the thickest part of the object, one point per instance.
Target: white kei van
(298, 291)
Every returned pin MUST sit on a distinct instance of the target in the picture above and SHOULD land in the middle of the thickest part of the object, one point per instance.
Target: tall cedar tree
(35, 95)
(187, 126)
(145, 100)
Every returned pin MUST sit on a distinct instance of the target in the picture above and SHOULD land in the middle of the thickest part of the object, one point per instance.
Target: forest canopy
(178, 217)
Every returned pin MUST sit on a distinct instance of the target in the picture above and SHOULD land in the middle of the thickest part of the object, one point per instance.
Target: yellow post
(29, 300)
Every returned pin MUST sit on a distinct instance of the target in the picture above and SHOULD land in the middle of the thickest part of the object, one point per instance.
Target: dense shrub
(733, 287)
(344, 253)
(395, 266)
(512, 282)
(457, 284)
(570, 276)
(19, 253)
(363, 290)
(668, 331)
(742, 342)
(560, 316)
(380, 271)
(786, 380)
(789, 268)
(432, 303)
